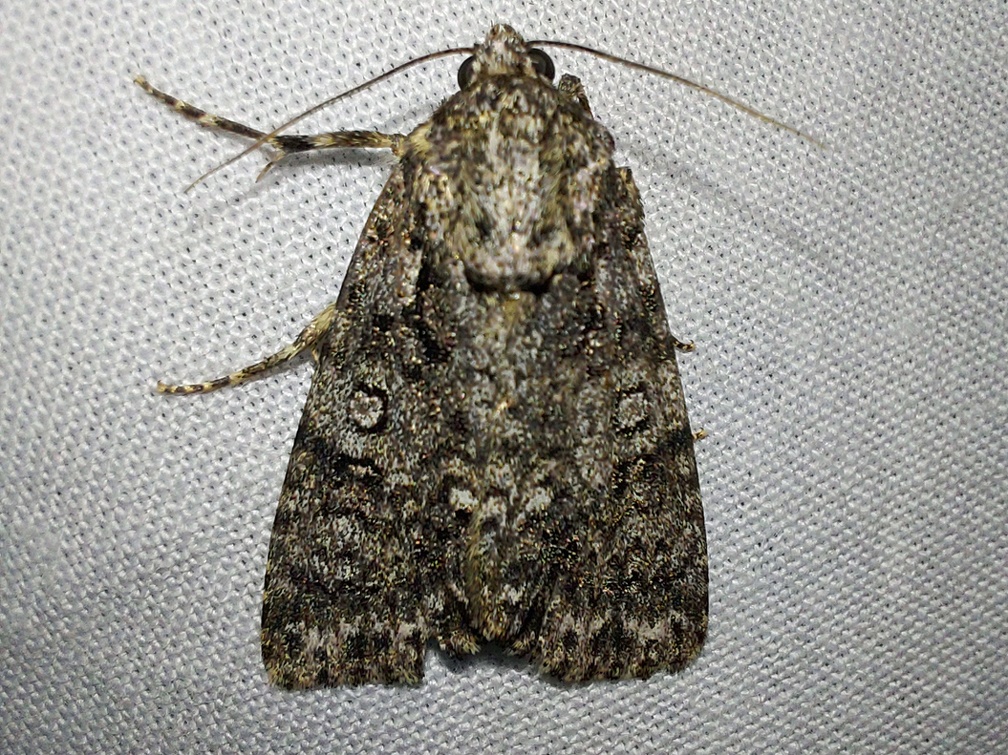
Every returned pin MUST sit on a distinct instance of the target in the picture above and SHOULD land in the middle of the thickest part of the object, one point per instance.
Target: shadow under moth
(495, 446)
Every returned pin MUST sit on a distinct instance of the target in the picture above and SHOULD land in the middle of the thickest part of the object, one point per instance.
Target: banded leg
(284, 144)
(305, 340)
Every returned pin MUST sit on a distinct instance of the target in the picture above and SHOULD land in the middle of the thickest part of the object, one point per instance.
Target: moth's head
(504, 53)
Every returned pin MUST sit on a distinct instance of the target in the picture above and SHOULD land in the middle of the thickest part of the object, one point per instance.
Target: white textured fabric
(848, 305)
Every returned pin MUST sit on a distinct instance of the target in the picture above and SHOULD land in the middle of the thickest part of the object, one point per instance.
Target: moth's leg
(683, 346)
(305, 340)
(283, 144)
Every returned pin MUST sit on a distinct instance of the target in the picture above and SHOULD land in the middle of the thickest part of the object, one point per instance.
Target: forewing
(358, 566)
(636, 599)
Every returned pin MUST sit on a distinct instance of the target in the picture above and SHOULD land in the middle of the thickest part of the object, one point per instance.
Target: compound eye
(542, 63)
(465, 72)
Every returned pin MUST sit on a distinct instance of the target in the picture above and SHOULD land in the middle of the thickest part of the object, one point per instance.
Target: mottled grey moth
(495, 446)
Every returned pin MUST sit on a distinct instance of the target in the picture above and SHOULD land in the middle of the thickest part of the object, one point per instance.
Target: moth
(495, 446)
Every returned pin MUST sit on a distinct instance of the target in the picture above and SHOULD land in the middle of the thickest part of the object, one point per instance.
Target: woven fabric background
(848, 305)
